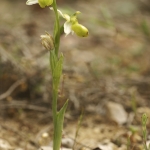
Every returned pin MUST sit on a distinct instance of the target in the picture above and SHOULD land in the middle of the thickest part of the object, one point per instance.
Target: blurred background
(106, 74)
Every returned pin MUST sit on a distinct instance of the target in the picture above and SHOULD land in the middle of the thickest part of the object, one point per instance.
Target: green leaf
(59, 127)
(60, 115)
(55, 29)
(53, 60)
(58, 71)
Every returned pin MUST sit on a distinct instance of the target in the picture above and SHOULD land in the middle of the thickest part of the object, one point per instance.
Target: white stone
(116, 112)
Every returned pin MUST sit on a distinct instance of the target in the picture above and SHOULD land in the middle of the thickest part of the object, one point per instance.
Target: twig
(77, 130)
(11, 89)
(81, 144)
(17, 104)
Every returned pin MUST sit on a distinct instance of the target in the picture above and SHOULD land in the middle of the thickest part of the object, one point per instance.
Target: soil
(106, 76)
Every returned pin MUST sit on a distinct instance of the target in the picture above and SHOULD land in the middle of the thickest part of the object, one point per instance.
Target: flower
(72, 26)
(42, 3)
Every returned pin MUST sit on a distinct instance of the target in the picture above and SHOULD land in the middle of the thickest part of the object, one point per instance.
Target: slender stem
(54, 103)
(57, 115)
(56, 143)
(56, 29)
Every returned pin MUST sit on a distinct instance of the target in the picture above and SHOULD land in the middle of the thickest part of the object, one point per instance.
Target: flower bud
(47, 41)
(80, 30)
(44, 3)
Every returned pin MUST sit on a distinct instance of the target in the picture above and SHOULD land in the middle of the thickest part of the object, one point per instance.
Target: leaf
(57, 72)
(60, 117)
(53, 60)
(59, 126)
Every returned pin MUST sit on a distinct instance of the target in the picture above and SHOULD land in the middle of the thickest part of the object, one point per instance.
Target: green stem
(54, 104)
(56, 143)
(56, 28)
(58, 116)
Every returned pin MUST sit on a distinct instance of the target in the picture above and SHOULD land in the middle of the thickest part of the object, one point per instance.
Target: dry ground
(106, 74)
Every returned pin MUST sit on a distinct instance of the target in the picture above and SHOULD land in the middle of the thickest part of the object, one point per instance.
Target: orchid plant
(52, 43)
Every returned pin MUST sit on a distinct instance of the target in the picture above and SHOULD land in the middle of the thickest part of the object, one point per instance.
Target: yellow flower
(42, 3)
(72, 26)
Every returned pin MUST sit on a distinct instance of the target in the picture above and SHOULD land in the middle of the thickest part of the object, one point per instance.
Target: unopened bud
(47, 41)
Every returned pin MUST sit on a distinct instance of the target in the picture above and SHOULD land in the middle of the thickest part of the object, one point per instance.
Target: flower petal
(67, 27)
(31, 2)
(65, 16)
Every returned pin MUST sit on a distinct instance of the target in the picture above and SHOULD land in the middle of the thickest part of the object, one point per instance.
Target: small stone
(67, 142)
(4, 145)
(107, 146)
(116, 112)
